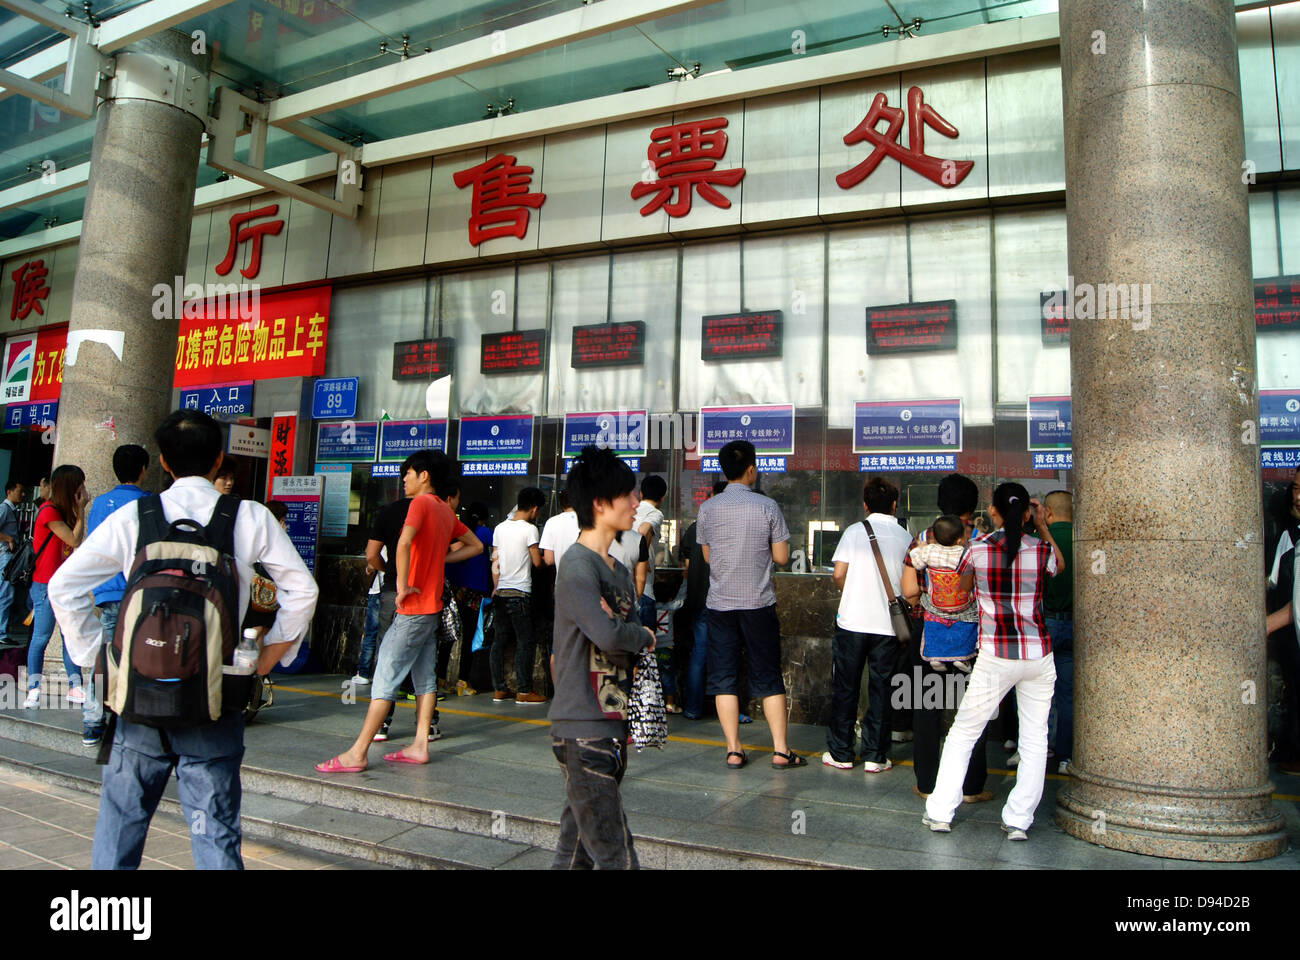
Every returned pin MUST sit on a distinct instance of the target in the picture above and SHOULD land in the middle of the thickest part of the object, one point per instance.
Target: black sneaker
(381, 736)
(91, 735)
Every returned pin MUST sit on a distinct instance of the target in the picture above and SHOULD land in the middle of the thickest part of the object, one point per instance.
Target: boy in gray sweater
(597, 636)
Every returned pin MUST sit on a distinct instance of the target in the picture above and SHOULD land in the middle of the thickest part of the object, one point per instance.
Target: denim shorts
(411, 643)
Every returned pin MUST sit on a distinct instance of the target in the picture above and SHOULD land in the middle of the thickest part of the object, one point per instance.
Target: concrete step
(356, 819)
(361, 836)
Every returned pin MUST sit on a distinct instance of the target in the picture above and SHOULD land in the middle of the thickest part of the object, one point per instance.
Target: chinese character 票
(239, 233)
(946, 173)
(29, 289)
(684, 156)
(500, 200)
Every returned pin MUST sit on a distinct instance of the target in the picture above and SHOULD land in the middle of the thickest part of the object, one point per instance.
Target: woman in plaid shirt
(1007, 571)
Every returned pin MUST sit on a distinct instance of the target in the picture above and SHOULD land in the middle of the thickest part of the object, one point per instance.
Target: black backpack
(178, 623)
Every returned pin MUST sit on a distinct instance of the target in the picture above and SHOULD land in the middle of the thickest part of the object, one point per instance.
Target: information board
(1055, 318)
(386, 470)
(770, 428)
(336, 499)
(302, 495)
(223, 401)
(912, 327)
(907, 426)
(494, 468)
(520, 351)
(909, 462)
(1277, 303)
(398, 439)
(334, 398)
(1279, 418)
(423, 359)
(247, 441)
(347, 442)
(764, 464)
(496, 438)
(1050, 423)
(741, 336)
(623, 431)
(608, 345)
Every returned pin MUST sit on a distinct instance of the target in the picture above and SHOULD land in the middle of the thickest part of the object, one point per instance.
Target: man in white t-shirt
(863, 630)
(559, 533)
(514, 554)
(648, 521)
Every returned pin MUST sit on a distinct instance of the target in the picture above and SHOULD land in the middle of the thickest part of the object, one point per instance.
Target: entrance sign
(770, 428)
(225, 401)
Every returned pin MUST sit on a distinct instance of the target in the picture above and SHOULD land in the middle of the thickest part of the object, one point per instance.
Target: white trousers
(989, 682)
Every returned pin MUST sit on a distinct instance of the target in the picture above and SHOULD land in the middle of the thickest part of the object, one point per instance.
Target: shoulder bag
(900, 611)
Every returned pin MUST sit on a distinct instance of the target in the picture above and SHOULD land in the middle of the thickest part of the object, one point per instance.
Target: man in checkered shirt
(742, 533)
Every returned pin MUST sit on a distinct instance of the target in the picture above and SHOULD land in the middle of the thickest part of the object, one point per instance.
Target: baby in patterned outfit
(950, 614)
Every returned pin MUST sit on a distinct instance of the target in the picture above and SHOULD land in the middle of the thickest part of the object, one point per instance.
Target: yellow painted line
(695, 740)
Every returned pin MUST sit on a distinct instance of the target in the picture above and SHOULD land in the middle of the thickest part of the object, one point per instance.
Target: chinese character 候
(29, 289)
(946, 173)
(499, 201)
(684, 156)
(239, 234)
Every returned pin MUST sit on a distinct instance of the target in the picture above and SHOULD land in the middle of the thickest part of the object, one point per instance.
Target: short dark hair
(948, 530)
(880, 495)
(278, 509)
(735, 458)
(597, 474)
(476, 514)
(128, 460)
(719, 486)
(190, 442)
(229, 468)
(9, 487)
(433, 462)
(530, 497)
(958, 495)
(653, 488)
(448, 488)
(563, 498)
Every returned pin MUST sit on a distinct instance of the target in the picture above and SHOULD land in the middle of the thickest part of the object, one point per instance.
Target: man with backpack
(188, 557)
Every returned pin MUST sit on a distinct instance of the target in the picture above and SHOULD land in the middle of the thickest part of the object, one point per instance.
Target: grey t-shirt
(8, 521)
(581, 583)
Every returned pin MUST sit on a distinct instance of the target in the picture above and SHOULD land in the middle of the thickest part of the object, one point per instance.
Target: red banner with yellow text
(285, 337)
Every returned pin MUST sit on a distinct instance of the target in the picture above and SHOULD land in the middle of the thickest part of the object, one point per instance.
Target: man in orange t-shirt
(411, 643)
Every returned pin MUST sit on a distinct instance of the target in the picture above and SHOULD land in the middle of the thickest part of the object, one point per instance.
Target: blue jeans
(6, 594)
(409, 646)
(206, 760)
(1060, 627)
(42, 628)
(697, 669)
(370, 639)
(92, 712)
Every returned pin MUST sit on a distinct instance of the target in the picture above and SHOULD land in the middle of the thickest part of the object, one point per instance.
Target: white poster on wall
(338, 493)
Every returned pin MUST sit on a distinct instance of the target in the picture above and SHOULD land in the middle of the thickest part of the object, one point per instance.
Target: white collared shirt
(111, 549)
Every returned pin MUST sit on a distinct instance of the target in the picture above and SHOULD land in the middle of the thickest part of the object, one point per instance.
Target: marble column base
(1231, 826)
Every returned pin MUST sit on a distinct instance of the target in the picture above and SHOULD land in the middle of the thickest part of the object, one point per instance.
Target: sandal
(672, 708)
(736, 766)
(792, 759)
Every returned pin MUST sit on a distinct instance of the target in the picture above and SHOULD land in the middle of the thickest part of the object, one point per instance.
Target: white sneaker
(1014, 759)
(1062, 767)
(33, 700)
(829, 761)
(1009, 745)
(359, 681)
(76, 695)
(434, 733)
(937, 826)
(870, 766)
(1014, 833)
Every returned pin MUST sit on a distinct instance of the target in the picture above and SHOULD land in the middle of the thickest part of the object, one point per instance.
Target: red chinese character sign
(946, 173)
(500, 200)
(29, 290)
(33, 367)
(240, 234)
(285, 338)
(684, 157)
(284, 427)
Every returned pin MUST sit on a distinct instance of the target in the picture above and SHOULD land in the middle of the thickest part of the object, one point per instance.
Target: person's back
(739, 526)
(511, 539)
(1010, 597)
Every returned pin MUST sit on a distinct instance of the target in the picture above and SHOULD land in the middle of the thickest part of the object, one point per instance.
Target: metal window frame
(84, 66)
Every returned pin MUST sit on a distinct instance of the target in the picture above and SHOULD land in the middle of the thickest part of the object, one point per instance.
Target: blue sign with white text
(907, 426)
(769, 428)
(764, 464)
(1051, 426)
(21, 415)
(912, 462)
(624, 433)
(1279, 418)
(347, 442)
(386, 470)
(336, 397)
(496, 438)
(633, 463)
(1288, 459)
(494, 468)
(1060, 460)
(398, 439)
(226, 401)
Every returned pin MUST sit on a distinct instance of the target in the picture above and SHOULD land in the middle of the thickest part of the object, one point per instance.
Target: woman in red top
(60, 525)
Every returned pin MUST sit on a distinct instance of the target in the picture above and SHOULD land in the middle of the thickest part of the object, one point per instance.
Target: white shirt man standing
(559, 533)
(514, 555)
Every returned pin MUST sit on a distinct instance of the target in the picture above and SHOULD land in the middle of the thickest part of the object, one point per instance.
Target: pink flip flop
(332, 765)
(398, 757)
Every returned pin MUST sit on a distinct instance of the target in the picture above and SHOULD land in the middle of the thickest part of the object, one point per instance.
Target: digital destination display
(741, 336)
(908, 327)
(423, 359)
(519, 351)
(608, 345)
(1056, 325)
(1277, 303)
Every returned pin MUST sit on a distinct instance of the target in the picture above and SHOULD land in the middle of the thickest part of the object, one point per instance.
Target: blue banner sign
(623, 431)
(764, 464)
(907, 426)
(1050, 423)
(769, 428)
(347, 442)
(1288, 459)
(1279, 418)
(19, 415)
(496, 438)
(634, 463)
(225, 401)
(333, 398)
(398, 439)
(1060, 460)
(912, 462)
(494, 468)
(302, 495)
(386, 470)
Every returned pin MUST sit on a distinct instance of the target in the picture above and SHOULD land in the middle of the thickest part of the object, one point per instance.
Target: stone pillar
(1170, 730)
(135, 234)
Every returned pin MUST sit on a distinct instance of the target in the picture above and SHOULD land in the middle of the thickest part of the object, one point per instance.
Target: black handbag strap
(880, 563)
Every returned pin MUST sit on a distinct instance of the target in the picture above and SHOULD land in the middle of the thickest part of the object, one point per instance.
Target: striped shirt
(739, 527)
(1011, 598)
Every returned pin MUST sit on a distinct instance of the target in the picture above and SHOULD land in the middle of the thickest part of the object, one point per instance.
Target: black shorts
(760, 634)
